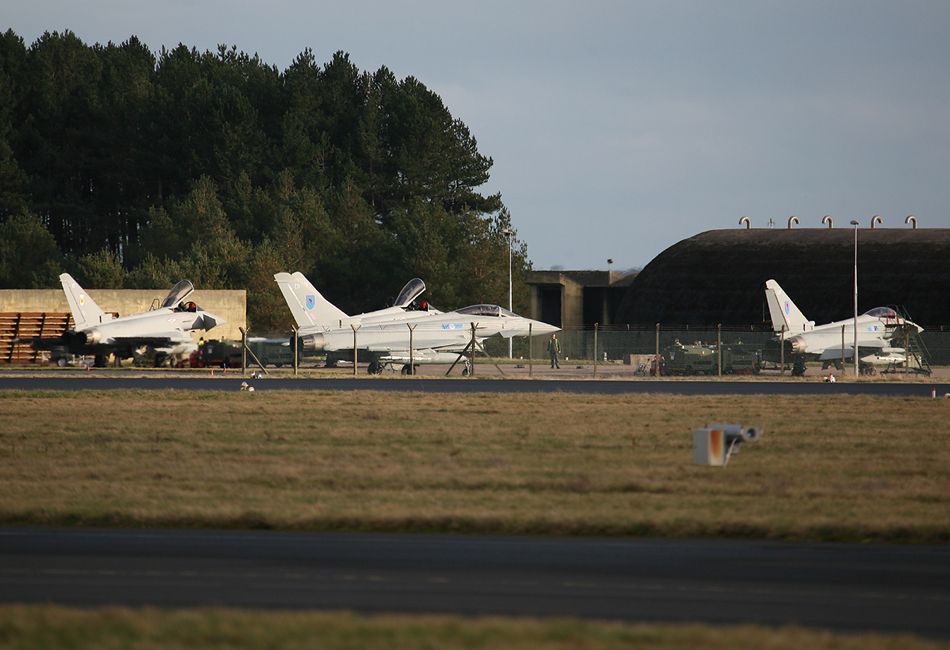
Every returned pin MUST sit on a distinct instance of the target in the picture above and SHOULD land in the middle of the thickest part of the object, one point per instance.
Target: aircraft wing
(157, 340)
(833, 353)
(47, 343)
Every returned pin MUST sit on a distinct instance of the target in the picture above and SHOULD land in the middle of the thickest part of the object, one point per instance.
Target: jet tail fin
(308, 306)
(783, 311)
(86, 313)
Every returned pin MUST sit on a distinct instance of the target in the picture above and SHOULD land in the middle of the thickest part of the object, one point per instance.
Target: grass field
(60, 628)
(828, 468)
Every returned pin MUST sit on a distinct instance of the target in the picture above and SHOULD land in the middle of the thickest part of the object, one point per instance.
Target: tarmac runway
(189, 381)
(844, 587)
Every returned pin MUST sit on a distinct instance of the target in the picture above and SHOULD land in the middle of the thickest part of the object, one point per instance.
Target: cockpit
(178, 293)
(884, 313)
(485, 310)
(409, 293)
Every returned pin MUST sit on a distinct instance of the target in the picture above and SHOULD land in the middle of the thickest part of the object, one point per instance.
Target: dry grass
(829, 468)
(102, 629)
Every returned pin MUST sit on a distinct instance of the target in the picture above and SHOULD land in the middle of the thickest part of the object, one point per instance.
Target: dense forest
(129, 168)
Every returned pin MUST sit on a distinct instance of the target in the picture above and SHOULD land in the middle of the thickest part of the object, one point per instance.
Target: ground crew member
(554, 349)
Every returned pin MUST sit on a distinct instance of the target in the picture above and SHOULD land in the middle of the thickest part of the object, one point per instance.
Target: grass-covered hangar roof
(718, 276)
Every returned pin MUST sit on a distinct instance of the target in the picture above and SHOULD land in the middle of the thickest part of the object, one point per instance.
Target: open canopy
(178, 293)
(410, 292)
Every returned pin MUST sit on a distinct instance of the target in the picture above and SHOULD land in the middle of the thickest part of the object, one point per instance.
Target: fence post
(295, 349)
(471, 372)
(907, 346)
(781, 350)
(596, 325)
(842, 350)
(656, 357)
(354, 328)
(530, 349)
(412, 366)
(243, 351)
(719, 349)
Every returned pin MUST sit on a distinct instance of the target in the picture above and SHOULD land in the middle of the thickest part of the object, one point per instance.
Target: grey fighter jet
(437, 337)
(876, 329)
(163, 330)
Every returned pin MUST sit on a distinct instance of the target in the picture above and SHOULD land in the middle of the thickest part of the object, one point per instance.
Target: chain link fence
(687, 350)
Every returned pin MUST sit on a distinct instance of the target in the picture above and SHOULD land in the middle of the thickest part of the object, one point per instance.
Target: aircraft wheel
(375, 368)
(466, 372)
(61, 362)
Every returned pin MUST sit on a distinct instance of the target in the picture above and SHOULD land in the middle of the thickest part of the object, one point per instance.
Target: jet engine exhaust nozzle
(312, 343)
(798, 345)
(77, 339)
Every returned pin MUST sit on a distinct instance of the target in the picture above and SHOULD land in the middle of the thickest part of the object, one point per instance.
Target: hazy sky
(619, 128)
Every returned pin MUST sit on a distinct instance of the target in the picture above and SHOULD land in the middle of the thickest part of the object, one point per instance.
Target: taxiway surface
(848, 587)
(119, 380)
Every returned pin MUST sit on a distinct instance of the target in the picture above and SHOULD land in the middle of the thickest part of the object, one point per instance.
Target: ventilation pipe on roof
(828, 220)
(747, 221)
(912, 220)
(876, 219)
(792, 220)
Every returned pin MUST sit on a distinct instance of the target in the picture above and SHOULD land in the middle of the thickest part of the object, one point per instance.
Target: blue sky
(619, 128)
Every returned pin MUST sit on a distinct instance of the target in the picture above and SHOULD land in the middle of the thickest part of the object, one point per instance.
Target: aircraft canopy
(410, 292)
(485, 310)
(178, 293)
(882, 312)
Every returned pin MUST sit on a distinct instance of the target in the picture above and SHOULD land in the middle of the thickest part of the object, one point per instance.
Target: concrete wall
(230, 305)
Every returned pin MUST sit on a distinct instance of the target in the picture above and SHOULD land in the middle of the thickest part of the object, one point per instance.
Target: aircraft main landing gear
(409, 370)
(374, 368)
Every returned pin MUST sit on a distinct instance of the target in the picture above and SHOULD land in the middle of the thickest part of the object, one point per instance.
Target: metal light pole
(508, 232)
(854, 223)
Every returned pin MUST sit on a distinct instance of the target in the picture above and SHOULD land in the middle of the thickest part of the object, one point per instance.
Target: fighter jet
(164, 330)
(876, 329)
(312, 311)
(437, 337)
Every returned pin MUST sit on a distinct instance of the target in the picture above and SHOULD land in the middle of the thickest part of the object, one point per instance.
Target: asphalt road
(845, 587)
(81, 381)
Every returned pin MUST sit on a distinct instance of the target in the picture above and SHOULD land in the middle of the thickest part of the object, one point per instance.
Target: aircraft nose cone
(543, 328)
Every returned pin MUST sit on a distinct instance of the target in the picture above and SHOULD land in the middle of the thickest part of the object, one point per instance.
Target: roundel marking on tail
(311, 301)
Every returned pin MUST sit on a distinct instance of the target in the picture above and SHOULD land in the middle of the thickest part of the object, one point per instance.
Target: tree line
(130, 168)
